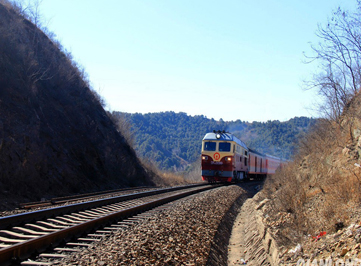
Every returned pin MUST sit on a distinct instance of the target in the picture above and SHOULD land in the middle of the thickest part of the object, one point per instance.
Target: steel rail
(58, 200)
(85, 195)
(25, 249)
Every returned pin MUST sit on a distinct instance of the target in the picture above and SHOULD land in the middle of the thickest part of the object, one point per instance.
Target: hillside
(55, 137)
(314, 202)
(173, 140)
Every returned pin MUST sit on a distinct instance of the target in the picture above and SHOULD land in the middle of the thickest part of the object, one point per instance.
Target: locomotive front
(218, 162)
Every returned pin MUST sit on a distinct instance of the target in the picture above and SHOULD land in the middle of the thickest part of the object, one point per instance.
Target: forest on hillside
(172, 140)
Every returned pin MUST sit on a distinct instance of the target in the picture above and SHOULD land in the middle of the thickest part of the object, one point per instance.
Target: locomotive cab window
(224, 146)
(209, 146)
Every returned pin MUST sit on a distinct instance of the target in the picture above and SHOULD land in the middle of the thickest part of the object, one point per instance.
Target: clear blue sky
(236, 59)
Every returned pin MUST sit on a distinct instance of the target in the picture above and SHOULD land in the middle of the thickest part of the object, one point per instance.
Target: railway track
(24, 235)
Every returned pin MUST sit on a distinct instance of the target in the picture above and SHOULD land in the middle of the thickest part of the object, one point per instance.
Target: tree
(339, 54)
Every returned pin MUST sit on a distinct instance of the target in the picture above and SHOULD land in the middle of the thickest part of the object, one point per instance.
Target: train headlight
(218, 136)
(205, 158)
(228, 159)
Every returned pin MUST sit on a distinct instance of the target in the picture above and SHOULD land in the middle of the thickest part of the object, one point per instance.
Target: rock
(343, 252)
(261, 204)
(345, 151)
(356, 133)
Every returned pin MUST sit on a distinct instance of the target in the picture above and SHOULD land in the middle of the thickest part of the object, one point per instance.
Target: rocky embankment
(255, 241)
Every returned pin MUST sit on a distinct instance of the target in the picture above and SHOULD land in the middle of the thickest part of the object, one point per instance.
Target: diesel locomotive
(225, 158)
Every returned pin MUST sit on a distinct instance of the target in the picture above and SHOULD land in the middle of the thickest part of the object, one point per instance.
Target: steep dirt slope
(55, 137)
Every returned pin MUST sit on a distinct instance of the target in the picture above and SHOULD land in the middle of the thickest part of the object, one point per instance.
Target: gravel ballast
(180, 235)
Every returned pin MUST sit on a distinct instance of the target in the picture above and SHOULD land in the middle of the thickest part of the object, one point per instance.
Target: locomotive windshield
(209, 146)
(224, 146)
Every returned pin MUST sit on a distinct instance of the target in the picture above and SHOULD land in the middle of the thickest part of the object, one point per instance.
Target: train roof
(224, 137)
(257, 152)
(266, 155)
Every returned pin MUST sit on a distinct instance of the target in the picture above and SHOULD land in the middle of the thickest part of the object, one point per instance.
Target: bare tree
(339, 55)
(125, 127)
(29, 9)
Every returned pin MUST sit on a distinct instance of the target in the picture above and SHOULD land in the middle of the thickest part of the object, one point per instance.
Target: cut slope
(55, 137)
(320, 190)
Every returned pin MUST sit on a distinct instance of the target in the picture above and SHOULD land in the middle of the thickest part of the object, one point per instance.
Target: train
(225, 158)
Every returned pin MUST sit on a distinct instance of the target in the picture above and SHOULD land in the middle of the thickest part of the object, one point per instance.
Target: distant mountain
(173, 140)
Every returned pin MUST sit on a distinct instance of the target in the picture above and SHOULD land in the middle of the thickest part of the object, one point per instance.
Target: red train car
(225, 158)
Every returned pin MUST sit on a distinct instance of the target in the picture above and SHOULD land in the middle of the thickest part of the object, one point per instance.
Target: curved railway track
(24, 234)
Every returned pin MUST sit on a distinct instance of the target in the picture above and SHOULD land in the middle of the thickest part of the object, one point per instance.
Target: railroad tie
(29, 231)
(103, 231)
(88, 239)
(8, 240)
(37, 263)
(78, 244)
(67, 249)
(52, 255)
(10, 233)
(52, 225)
(41, 228)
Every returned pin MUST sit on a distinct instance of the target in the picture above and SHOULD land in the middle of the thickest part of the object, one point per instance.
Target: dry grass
(169, 178)
(194, 174)
(162, 178)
